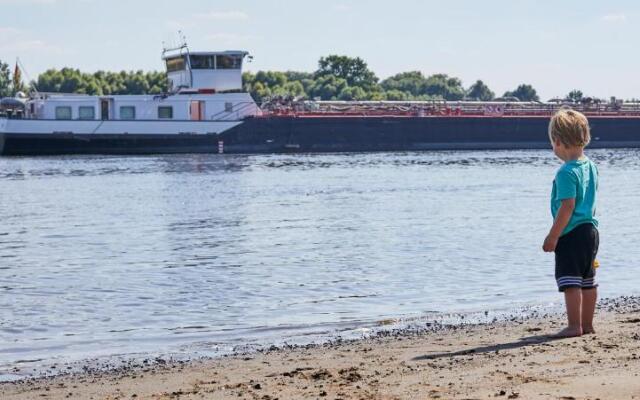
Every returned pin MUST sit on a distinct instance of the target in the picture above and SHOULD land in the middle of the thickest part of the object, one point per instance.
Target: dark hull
(58, 144)
(333, 134)
(354, 134)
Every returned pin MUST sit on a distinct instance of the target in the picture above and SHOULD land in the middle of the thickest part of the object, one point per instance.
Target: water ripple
(115, 255)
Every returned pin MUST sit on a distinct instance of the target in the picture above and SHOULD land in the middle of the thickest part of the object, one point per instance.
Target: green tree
(295, 89)
(136, 83)
(523, 92)
(377, 96)
(5, 80)
(69, 80)
(445, 87)
(327, 87)
(397, 95)
(266, 84)
(307, 84)
(271, 78)
(48, 81)
(248, 78)
(480, 92)
(352, 93)
(353, 70)
(412, 83)
(260, 92)
(93, 88)
(297, 76)
(574, 96)
(249, 83)
(415, 86)
(158, 82)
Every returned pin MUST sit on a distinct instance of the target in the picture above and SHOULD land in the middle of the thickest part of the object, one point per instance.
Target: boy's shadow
(523, 342)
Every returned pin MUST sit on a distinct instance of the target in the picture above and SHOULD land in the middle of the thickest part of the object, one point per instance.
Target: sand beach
(503, 360)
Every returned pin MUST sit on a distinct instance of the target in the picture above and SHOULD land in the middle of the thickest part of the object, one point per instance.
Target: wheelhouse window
(85, 112)
(175, 64)
(228, 62)
(127, 112)
(202, 62)
(165, 112)
(63, 112)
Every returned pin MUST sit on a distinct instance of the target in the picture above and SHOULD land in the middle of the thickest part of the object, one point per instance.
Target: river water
(198, 254)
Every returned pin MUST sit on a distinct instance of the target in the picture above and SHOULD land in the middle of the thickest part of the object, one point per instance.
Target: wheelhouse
(214, 71)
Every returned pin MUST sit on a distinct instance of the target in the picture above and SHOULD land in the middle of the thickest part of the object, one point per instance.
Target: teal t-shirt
(576, 179)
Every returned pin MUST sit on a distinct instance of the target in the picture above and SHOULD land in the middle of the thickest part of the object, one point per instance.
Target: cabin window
(175, 64)
(86, 112)
(127, 112)
(63, 112)
(202, 62)
(228, 107)
(165, 112)
(228, 62)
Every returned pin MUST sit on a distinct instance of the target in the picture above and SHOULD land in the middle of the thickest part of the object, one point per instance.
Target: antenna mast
(24, 70)
(183, 45)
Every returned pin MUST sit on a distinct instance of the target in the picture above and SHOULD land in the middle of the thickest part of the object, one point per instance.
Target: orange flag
(16, 77)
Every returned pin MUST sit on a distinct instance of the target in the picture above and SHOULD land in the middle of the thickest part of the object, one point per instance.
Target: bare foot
(588, 330)
(569, 332)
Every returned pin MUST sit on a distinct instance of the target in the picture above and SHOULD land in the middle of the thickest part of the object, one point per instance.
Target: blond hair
(570, 128)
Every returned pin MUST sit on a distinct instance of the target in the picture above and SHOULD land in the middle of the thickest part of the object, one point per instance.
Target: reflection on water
(196, 253)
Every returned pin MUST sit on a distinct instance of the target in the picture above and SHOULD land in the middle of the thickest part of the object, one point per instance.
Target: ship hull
(357, 134)
(60, 144)
(329, 134)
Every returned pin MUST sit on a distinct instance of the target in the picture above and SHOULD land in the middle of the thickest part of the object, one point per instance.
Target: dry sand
(501, 360)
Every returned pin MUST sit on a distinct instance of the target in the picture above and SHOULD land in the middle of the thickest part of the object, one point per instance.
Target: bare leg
(589, 298)
(573, 299)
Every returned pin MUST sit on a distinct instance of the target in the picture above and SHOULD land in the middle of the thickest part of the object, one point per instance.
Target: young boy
(574, 234)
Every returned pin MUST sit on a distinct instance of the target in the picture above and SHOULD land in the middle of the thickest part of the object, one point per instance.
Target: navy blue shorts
(575, 254)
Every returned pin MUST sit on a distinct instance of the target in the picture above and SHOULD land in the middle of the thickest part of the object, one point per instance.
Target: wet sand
(506, 360)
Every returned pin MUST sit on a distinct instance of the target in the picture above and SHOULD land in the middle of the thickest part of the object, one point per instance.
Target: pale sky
(556, 46)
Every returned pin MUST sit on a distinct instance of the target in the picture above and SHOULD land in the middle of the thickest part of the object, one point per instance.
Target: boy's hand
(550, 243)
(561, 221)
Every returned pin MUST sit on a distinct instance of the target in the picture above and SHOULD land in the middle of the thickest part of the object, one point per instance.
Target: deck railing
(442, 108)
(238, 112)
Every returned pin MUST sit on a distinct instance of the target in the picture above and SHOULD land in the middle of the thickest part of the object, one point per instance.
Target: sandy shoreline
(501, 360)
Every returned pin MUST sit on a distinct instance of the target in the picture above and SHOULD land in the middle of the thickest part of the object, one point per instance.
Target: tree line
(337, 78)
(69, 80)
(347, 78)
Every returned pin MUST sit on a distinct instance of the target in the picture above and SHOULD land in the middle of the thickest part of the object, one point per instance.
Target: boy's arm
(561, 221)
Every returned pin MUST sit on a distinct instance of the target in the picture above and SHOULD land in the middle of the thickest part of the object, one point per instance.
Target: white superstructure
(204, 98)
(220, 71)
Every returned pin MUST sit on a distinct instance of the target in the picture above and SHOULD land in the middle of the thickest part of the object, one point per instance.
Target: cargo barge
(207, 112)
